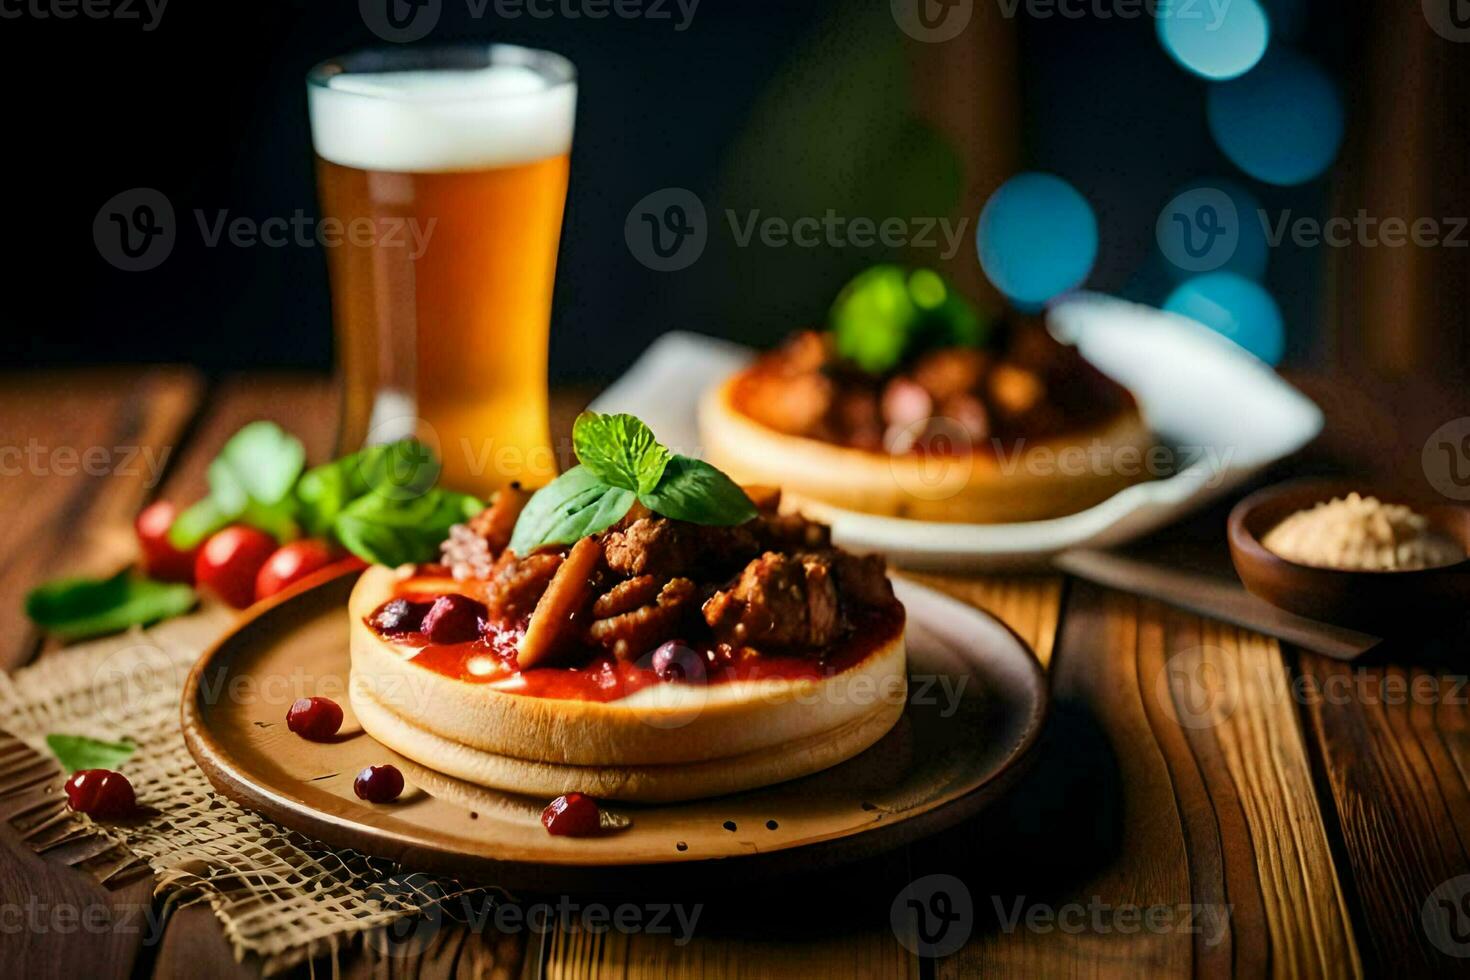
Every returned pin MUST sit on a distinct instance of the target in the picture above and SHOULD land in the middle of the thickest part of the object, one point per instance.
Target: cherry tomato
(161, 560)
(290, 564)
(229, 562)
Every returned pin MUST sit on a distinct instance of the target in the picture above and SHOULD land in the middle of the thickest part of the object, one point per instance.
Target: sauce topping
(491, 659)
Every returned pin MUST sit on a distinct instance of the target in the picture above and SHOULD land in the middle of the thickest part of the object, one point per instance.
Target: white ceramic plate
(1226, 414)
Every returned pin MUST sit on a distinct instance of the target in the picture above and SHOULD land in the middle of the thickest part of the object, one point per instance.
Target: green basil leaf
(197, 523)
(619, 450)
(81, 607)
(76, 752)
(387, 530)
(260, 462)
(885, 314)
(402, 469)
(572, 506)
(694, 491)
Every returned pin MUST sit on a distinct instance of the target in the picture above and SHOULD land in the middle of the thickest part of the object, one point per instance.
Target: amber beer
(445, 173)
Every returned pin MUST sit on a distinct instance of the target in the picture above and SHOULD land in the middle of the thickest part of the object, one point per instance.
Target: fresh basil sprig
(886, 314)
(622, 463)
(392, 530)
(76, 752)
(250, 481)
(75, 608)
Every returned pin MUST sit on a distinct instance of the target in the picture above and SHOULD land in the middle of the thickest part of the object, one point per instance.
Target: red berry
(100, 793)
(454, 619)
(289, 564)
(229, 562)
(378, 784)
(161, 560)
(316, 719)
(399, 616)
(573, 815)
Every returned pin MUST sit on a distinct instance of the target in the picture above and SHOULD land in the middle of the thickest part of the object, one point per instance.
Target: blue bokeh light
(1248, 249)
(1236, 307)
(1281, 123)
(1214, 42)
(1037, 238)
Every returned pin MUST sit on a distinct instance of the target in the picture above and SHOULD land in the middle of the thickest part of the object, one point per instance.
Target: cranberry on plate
(161, 560)
(315, 719)
(378, 784)
(573, 815)
(229, 562)
(100, 793)
(454, 619)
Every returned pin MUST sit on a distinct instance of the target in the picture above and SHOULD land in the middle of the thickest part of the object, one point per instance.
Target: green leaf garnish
(572, 506)
(403, 469)
(621, 462)
(619, 450)
(76, 752)
(390, 530)
(694, 491)
(80, 607)
(885, 315)
(250, 480)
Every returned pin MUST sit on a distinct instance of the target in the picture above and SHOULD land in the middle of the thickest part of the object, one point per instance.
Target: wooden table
(1205, 801)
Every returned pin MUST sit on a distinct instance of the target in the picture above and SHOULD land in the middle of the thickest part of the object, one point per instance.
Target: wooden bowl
(1383, 602)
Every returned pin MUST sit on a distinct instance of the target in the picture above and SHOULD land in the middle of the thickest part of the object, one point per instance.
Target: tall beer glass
(443, 176)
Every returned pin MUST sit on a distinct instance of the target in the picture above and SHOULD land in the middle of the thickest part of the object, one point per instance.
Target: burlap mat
(279, 896)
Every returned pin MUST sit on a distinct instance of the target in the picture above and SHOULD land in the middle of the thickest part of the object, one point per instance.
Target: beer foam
(441, 120)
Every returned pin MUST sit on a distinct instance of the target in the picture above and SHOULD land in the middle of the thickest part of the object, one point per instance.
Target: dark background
(209, 108)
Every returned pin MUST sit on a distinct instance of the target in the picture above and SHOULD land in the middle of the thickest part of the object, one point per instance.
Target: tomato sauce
(601, 677)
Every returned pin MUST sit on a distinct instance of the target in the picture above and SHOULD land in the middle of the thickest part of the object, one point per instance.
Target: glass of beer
(443, 176)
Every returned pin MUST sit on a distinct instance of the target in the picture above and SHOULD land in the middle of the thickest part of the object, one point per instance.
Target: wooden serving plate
(948, 756)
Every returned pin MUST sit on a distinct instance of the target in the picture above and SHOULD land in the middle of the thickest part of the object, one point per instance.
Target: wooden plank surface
(1395, 746)
(1178, 774)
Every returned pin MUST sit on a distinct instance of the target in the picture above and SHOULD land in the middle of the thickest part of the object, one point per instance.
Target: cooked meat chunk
(950, 371)
(516, 584)
(665, 549)
(862, 579)
(559, 614)
(627, 595)
(634, 632)
(789, 532)
(496, 522)
(778, 600)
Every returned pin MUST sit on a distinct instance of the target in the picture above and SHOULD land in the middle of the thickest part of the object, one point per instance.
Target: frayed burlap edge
(280, 897)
